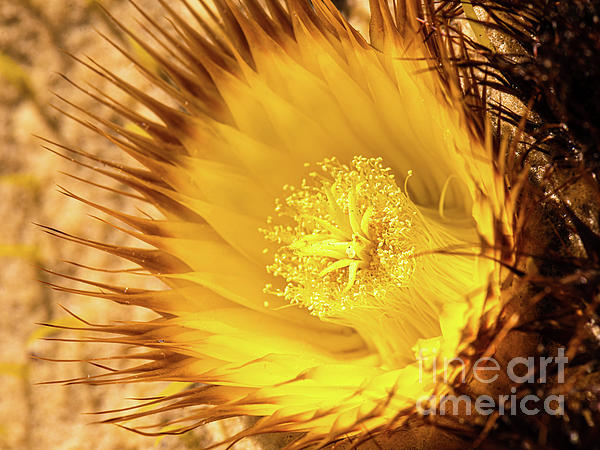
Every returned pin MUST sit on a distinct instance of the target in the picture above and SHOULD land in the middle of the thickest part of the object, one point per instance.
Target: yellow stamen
(354, 238)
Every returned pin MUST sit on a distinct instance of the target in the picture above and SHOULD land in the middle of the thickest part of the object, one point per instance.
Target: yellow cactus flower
(328, 219)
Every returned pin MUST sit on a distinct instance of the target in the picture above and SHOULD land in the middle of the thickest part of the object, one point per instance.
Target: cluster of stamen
(345, 238)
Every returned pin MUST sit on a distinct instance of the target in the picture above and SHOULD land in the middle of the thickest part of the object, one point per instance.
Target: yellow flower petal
(371, 267)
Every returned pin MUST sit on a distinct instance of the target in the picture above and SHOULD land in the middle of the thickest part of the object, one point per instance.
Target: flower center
(347, 238)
